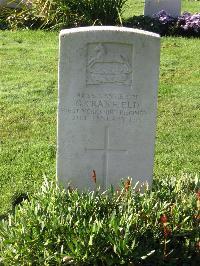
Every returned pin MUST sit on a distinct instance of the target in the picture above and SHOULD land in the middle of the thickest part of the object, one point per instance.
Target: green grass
(28, 109)
(136, 7)
(28, 99)
(191, 6)
(178, 133)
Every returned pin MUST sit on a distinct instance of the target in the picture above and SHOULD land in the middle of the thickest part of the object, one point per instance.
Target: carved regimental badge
(109, 63)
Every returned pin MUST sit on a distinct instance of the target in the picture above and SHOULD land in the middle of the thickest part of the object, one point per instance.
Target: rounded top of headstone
(107, 28)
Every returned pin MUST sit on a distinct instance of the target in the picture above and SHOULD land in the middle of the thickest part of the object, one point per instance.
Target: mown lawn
(136, 7)
(28, 110)
(28, 99)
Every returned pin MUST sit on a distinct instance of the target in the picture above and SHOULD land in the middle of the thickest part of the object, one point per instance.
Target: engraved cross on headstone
(106, 150)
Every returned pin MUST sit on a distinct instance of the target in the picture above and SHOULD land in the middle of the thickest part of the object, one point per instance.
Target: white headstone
(107, 105)
(172, 7)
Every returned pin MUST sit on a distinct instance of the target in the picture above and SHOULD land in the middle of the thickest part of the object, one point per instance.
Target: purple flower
(189, 22)
(163, 17)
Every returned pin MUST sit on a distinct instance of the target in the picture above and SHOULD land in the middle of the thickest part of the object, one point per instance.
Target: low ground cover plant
(122, 227)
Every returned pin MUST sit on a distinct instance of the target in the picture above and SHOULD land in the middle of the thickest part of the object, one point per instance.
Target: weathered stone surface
(107, 105)
(172, 7)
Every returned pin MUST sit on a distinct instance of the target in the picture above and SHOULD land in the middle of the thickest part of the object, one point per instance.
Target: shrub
(44, 14)
(58, 227)
(4, 13)
(57, 14)
(102, 12)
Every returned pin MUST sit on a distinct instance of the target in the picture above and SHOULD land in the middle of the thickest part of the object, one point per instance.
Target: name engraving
(105, 107)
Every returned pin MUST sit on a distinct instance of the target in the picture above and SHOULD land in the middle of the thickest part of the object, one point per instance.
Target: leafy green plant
(42, 14)
(102, 12)
(56, 14)
(4, 13)
(58, 227)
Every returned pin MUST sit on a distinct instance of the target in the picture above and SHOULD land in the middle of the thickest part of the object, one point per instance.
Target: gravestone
(107, 105)
(172, 7)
